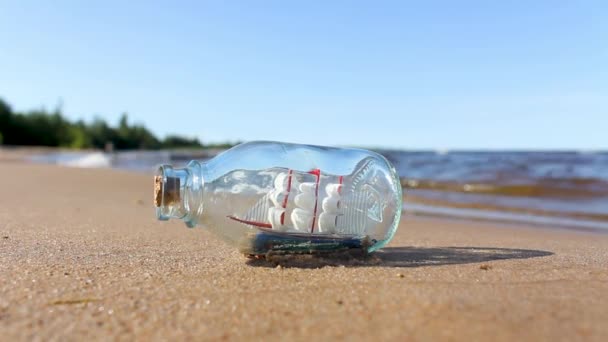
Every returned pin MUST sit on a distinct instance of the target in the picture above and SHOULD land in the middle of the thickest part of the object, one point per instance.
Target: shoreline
(506, 218)
(83, 256)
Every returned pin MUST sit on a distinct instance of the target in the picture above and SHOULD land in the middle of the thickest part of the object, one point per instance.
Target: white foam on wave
(90, 160)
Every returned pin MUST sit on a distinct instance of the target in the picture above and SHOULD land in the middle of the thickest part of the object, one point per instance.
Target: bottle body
(278, 197)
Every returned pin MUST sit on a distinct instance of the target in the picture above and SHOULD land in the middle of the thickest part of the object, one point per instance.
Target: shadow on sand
(400, 257)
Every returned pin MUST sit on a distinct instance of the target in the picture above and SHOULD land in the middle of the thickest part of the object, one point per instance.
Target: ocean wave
(574, 188)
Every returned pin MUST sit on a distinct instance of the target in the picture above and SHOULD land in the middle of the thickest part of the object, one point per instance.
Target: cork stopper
(167, 192)
(158, 190)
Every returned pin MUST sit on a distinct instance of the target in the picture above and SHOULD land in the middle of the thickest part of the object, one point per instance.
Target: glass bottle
(271, 197)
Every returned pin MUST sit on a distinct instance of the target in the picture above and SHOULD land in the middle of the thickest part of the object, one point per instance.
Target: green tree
(99, 133)
(174, 141)
(51, 128)
(6, 118)
(78, 136)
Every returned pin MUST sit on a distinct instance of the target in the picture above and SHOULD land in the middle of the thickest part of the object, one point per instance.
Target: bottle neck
(169, 192)
(178, 192)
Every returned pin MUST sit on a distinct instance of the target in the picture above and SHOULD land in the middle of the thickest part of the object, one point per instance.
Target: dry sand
(81, 254)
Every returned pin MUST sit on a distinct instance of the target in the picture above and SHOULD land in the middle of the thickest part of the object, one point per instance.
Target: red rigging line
(253, 223)
(317, 173)
(286, 196)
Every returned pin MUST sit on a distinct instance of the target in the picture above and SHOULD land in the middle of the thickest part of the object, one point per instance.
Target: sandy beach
(82, 256)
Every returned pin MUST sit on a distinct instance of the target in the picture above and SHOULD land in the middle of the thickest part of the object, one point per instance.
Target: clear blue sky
(423, 74)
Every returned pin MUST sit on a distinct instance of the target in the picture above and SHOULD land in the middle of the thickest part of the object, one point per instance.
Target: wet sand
(82, 256)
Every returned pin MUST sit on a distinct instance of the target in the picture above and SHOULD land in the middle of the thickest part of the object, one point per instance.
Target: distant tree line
(50, 128)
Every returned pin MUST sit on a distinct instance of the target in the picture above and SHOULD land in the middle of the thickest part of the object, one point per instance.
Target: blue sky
(400, 74)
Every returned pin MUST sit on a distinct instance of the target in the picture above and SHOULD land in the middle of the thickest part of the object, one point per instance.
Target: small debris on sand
(485, 267)
(74, 301)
